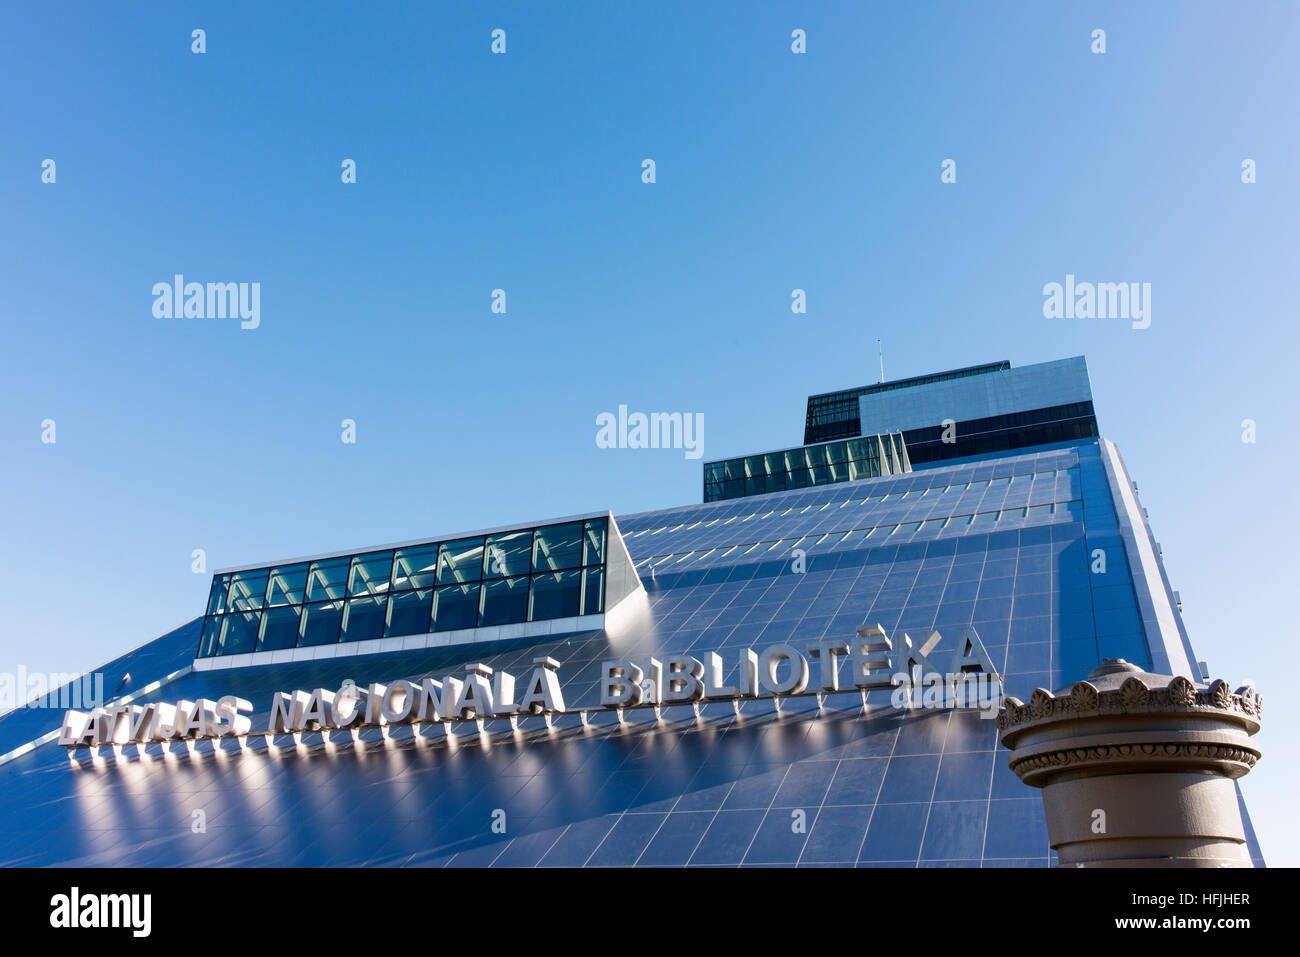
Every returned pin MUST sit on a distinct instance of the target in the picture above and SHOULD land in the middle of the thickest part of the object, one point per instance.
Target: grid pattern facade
(530, 574)
(877, 787)
(834, 415)
(1002, 433)
(826, 464)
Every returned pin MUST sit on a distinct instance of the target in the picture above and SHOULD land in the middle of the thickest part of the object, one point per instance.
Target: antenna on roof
(882, 360)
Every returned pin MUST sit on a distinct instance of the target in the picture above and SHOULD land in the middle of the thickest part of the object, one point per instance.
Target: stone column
(1137, 769)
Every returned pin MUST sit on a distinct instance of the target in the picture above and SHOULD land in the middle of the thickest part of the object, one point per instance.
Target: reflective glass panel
(363, 618)
(455, 606)
(593, 591)
(409, 612)
(505, 601)
(280, 627)
(247, 590)
(415, 567)
(217, 597)
(211, 636)
(240, 632)
(327, 579)
(508, 554)
(370, 573)
(557, 546)
(593, 541)
(460, 561)
(555, 595)
(288, 585)
(320, 623)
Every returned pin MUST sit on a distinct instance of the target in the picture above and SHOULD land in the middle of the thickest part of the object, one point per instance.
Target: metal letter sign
(874, 662)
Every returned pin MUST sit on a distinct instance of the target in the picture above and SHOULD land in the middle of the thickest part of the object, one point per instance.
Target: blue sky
(523, 172)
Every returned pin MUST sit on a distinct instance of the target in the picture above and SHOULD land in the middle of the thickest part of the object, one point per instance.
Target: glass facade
(878, 787)
(1002, 433)
(530, 574)
(1002, 545)
(834, 415)
(866, 457)
(1005, 545)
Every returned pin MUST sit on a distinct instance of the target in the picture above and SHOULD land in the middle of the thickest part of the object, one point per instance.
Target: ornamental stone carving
(1133, 696)
(1158, 753)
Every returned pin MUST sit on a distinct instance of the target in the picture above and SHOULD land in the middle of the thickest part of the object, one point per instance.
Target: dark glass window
(557, 546)
(508, 554)
(370, 573)
(280, 626)
(240, 632)
(288, 585)
(363, 618)
(552, 571)
(217, 597)
(460, 561)
(328, 579)
(593, 542)
(247, 590)
(211, 636)
(593, 591)
(320, 623)
(455, 606)
(505, 601)
(409, 612)
(415, 567)
(555, 595)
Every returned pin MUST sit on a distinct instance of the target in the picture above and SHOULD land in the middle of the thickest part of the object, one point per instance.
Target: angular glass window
(370, 573)
(280, 626)
(555, 595)
(593, 591)
(460, 561)
(415, 568)
(455, 606)
(409, 613)
(505, 601)
(320, 622)
(328, 579)
(247, 590)
(288, 585)
(593, 541)
(508, 554)
(557, 546)
(217, 597)
(211, 636)
(363, 618)
(240, 632)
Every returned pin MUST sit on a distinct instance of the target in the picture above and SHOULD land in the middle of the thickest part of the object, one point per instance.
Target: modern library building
(802, 670)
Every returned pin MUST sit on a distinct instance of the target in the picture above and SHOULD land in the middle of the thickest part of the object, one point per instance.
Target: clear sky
(523, 172)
